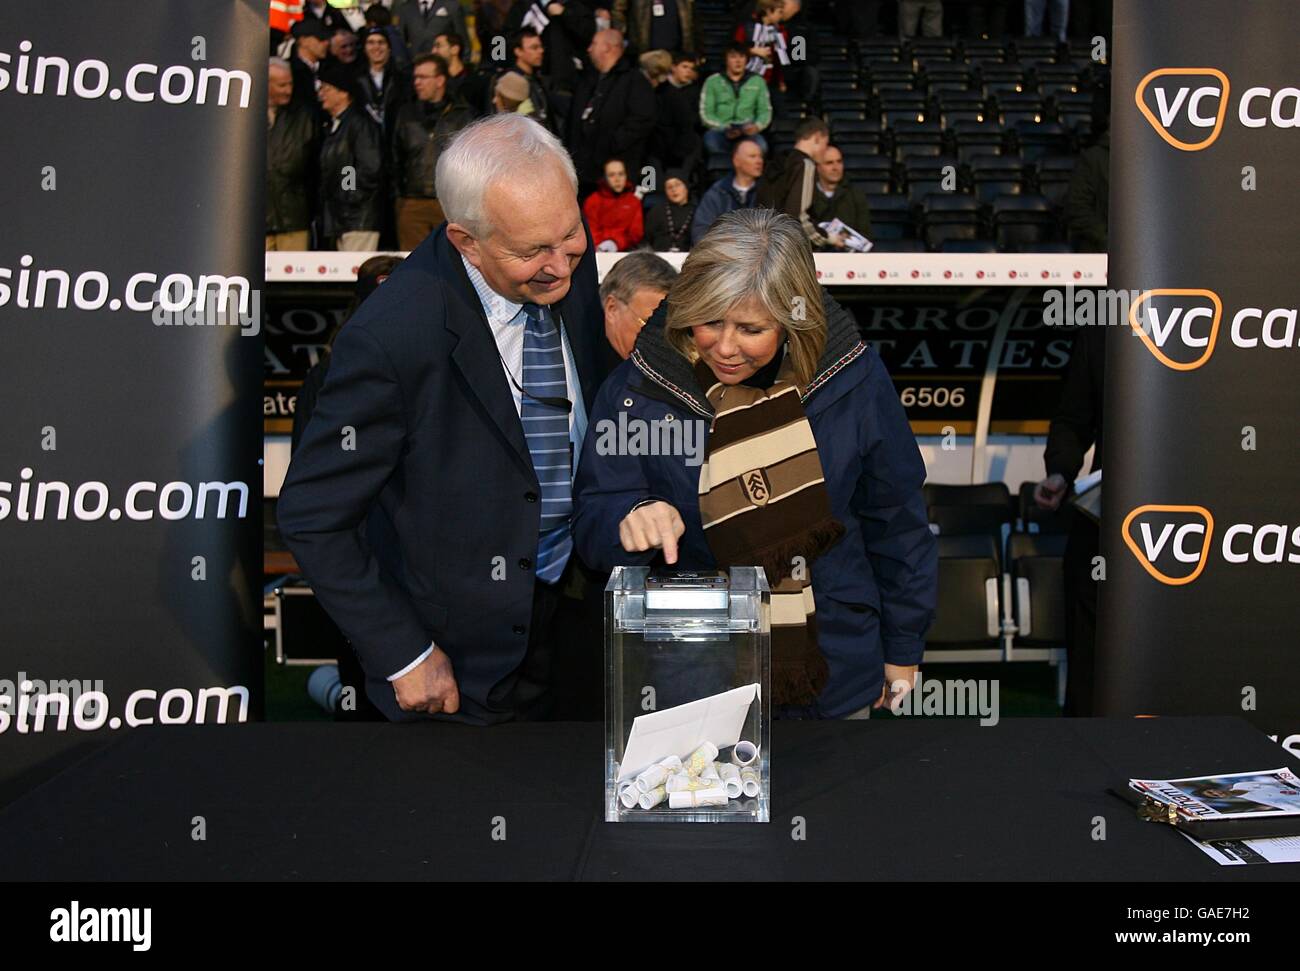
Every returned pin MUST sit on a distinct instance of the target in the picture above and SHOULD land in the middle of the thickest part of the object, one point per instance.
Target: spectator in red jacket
(613, 211)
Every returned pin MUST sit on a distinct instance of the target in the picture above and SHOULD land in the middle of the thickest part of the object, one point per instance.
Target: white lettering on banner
(92, 501)
(92, 79)
(34, 709)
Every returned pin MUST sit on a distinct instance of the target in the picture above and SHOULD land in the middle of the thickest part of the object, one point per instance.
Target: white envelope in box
(680, 731)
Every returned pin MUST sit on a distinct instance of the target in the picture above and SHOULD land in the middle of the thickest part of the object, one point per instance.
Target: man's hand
(899, 680)
(430, 686)
(750, 129)
(1049, 493)
(656, 525)
(763, 52)
(836, 240)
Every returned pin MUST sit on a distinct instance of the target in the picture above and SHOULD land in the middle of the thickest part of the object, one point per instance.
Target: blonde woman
(787, 448)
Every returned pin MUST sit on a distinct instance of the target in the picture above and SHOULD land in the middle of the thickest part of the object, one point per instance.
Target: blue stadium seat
(949, 215)
(1039, 139)
(891, 217)
(1023, 223)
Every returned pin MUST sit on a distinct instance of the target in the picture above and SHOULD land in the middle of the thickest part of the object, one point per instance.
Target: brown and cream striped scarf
(763, 503)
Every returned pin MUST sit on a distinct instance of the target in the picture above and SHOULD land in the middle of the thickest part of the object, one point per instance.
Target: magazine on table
(1232, 806)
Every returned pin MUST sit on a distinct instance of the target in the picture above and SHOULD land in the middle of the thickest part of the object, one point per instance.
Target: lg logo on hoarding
(1181, 327)
(1187, 105)
(1173, 543)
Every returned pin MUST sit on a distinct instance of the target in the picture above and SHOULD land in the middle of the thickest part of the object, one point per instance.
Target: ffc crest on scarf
(763, 502)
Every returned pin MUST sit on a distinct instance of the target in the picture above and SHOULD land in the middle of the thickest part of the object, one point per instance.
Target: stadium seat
(1038, 579)
(1014, 109)
(917, 138)
(1043, 138)
(1052, 176)
(1023, 221)
(949, 215)
(967, 246)
(891, 217)
(856, 131)
(968, 616)
(974, 138)
(895, 245)
(984, 51)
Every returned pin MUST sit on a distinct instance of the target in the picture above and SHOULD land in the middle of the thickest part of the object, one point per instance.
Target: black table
(881, 799)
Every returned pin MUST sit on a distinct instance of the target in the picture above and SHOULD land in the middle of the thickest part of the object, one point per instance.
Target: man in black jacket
(1076, 427)
(351, 166)
(613, 112)
(290, 162)
(837, 198)
(413, 504)
(463, 82)
(568, 30)
(310, 53)
(528, 52)
(422, 130)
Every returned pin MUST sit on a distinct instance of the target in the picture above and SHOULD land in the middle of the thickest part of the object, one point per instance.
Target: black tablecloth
(881, 799)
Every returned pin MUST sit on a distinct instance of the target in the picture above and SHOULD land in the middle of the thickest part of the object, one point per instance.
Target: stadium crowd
(912, 124)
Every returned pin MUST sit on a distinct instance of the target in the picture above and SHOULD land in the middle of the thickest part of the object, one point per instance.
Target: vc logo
(1188, 100)
(1191, 316)
(1175, 539)
(1181, 327)
(1187, 105)
(1173, 543)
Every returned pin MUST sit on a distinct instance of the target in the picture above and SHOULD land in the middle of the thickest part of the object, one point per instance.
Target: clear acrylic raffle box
(687, 713)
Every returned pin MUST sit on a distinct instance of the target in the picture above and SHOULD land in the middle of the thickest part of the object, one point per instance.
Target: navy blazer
(426, 528)
(876, 589)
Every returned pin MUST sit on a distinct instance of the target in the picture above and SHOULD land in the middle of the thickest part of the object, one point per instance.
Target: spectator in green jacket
(734, 104)
(835, 197)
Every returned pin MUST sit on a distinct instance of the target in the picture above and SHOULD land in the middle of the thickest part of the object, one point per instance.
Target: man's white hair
(499, 146)
(281, 63)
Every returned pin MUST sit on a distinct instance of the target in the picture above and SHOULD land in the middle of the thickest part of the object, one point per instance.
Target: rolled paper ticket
(702, 756)
(749, 780)
(628, 794)
(678, 782)
(731, 780)
(652, 798)
(710, 772)
(656, 775)
(744, 753)
(697, 797)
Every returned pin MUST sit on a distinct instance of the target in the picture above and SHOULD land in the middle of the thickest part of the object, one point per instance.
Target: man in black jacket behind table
(613, 113)
(1075, 428)
(413, 504)
(422, 130)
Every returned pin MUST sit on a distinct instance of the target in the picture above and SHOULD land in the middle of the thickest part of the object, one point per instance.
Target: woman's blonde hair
(756, 254)
(657, 65)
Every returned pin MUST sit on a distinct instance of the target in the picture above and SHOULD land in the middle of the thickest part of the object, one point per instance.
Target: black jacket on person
(383, 104)
(566, 37)
(668, 227)
(304, 83)
(1077, 426)
(350, 201)
(290, 169)
(847, 204)
(613, 115)
(471, 87)
(1087, 204)
(389, 534)
(676, 141)
(420, 133)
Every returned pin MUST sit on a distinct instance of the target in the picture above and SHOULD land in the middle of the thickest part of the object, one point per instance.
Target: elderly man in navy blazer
(429, 502)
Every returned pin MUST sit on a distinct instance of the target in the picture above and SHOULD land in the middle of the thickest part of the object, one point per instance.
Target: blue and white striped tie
(547, 431)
